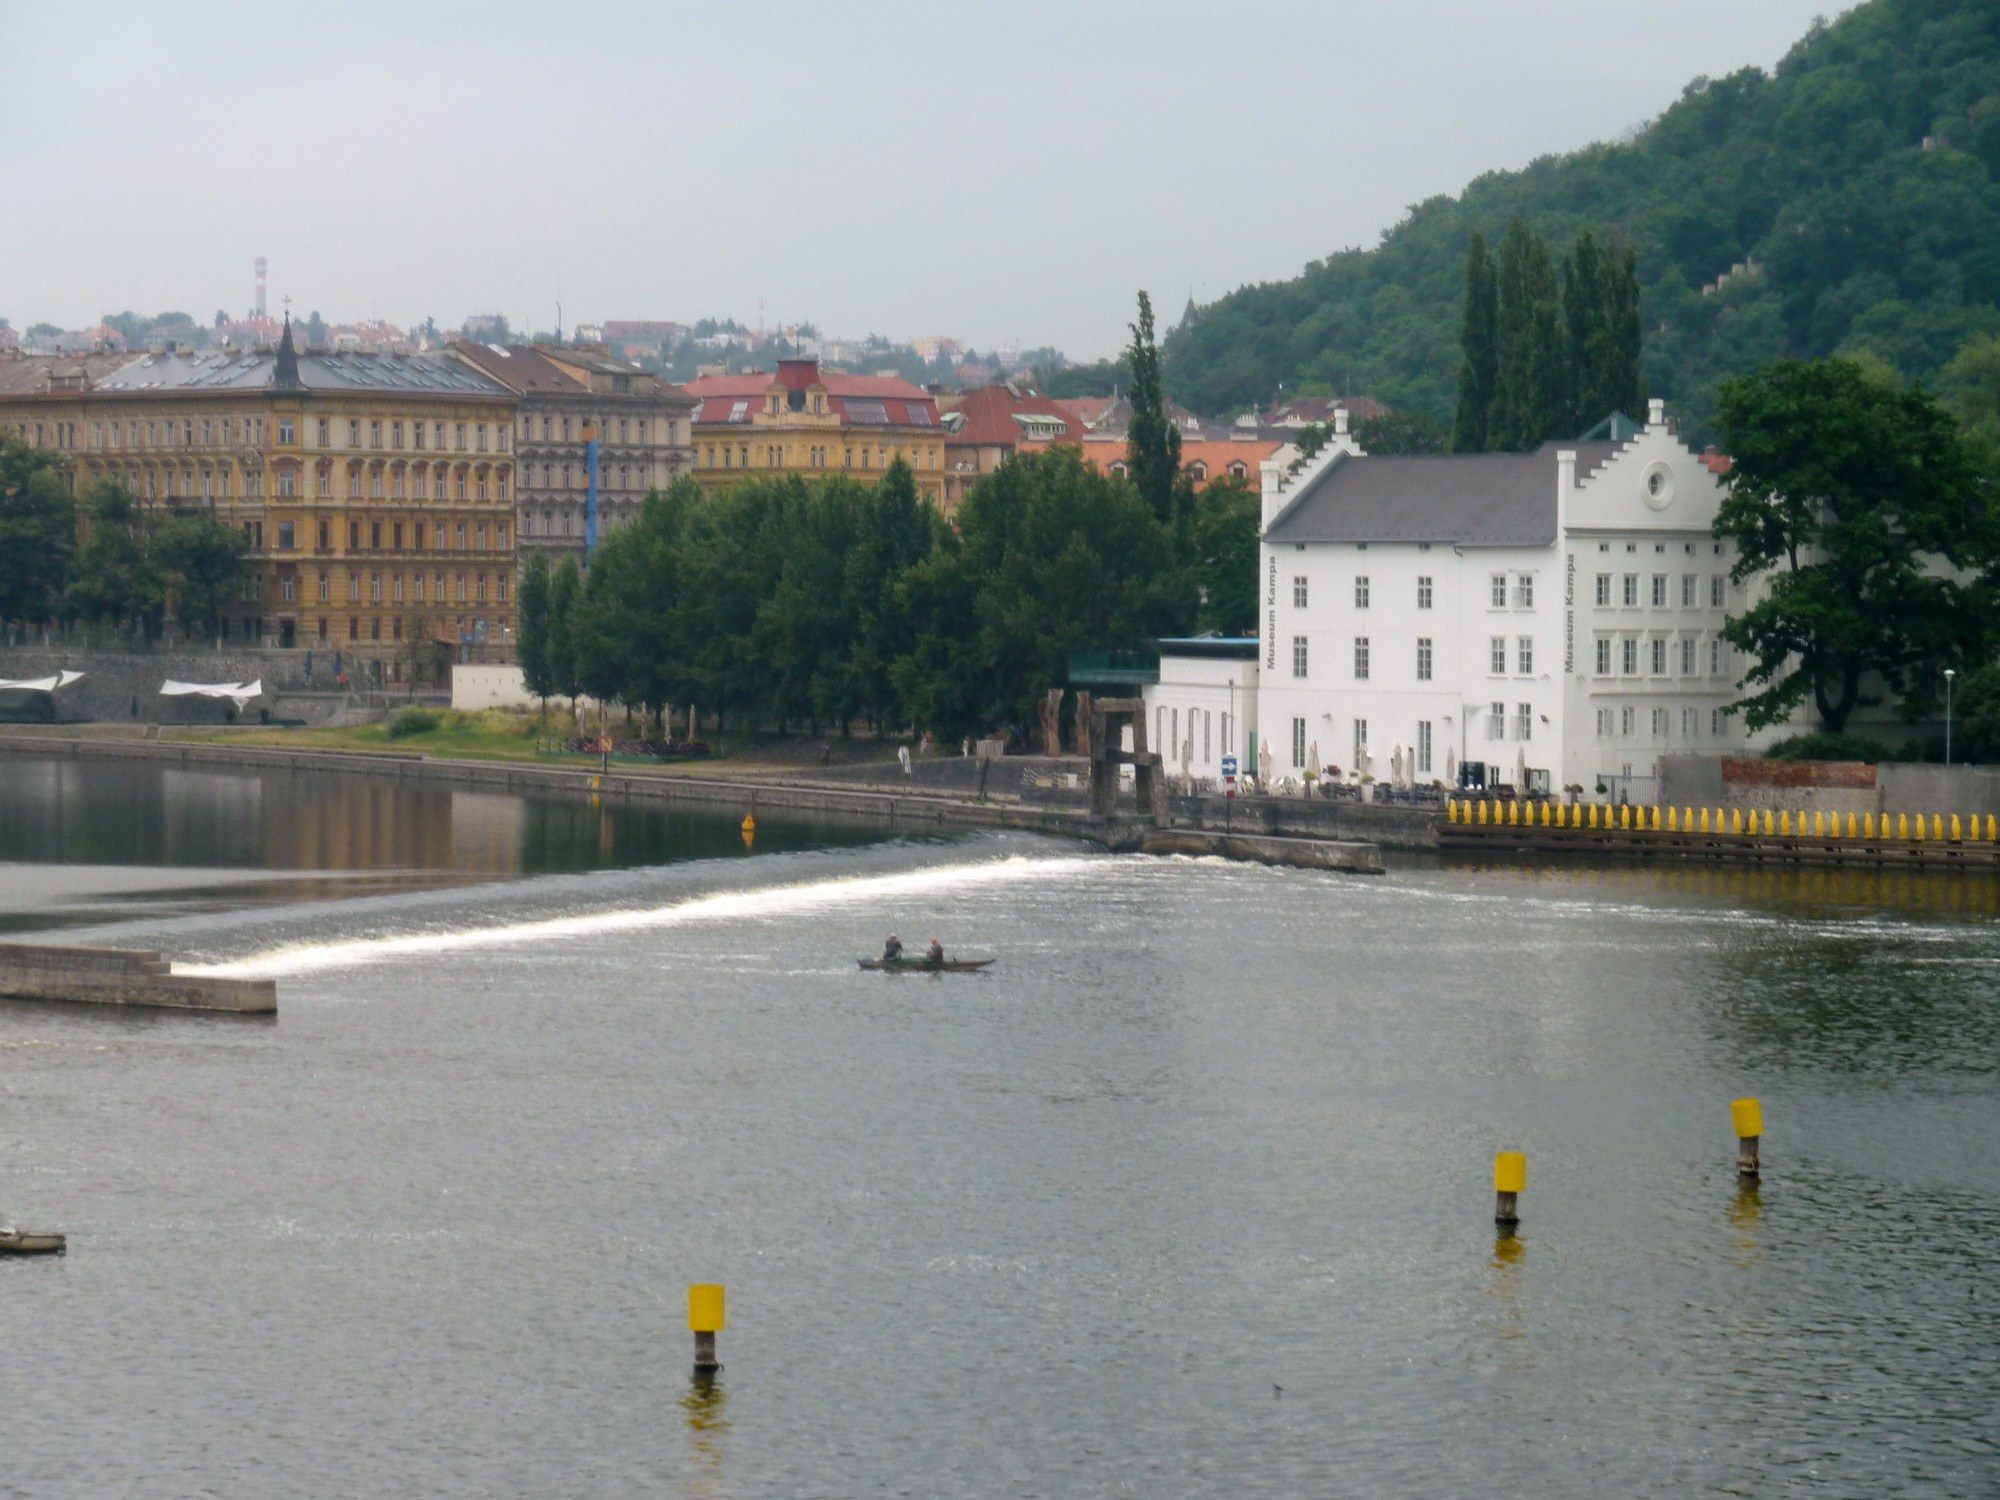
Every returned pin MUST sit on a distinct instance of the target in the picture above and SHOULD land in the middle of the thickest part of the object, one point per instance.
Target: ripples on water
(1060, 1230)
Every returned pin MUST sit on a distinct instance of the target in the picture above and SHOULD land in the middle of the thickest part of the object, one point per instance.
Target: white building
(1555, 610)
(1204, 707)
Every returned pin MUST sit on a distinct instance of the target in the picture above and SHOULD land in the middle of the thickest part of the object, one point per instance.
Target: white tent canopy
(241, 692)
(38, 684)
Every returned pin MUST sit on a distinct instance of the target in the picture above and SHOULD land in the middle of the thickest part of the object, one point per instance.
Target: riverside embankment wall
(124, 686)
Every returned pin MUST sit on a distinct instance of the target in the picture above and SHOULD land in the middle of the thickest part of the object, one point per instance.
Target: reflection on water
(705, 1409)
(1746, 1218)
(86, 811)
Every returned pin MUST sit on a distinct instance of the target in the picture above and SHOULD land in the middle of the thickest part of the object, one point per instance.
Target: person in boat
(935, 953)
(892, 950)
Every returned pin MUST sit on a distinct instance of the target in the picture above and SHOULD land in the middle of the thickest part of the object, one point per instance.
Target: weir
(124, 976)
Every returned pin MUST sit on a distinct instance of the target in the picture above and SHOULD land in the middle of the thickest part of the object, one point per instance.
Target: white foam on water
(767, 901)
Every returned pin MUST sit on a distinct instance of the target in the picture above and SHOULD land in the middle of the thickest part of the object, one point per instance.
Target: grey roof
(250, 370)
(1470, 499)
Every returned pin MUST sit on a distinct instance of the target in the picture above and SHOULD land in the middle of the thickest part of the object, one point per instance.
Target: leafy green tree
(1226, 517)
(200, 563)
(1402, 432)
(112, 578)
(1050, 556)
(1972, 380)
(531, 636)
(565, 587)
(1528, 383)
(37, 531)
(1152, 443)
(1859, 499)
(1479, 352)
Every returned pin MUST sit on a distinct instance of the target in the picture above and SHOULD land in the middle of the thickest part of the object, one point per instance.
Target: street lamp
(1948, 675)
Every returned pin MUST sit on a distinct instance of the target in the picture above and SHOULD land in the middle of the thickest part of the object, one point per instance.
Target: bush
(412, 720)
(1822, 745)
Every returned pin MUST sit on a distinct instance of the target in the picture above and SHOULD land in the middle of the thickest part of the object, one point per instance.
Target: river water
(1191, 1195)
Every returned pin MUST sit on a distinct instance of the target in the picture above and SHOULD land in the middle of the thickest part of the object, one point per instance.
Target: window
(1497, 655)
(397, 534)
(324, 543)
(1688, 581)
(1604, 723)
(1298, 743)
(1659, 658)
(461, 536)
(287, 587)
(1423, 746)
(395, 434)
(1524, 591)
(1628, 657)
(288, 482)
(1690, 723)
(354, 587)
(1659, 591)
(354, 434)
(1361, 591)
(396, 588)
(1360, 739)
(375, 433)
(1715, 592)
(501, 580)
(1603, 590)
(481, 437)
(460, 435)
(1298, 656)
(1524, 655)
(325, 433)
(1361, 658)
(353, 628)
(1499, 590)
(375, 536)
(1298, 593)
(287, 433)
(1631, 589)
(1687, 657)
(285, 534)
(1423, 658)
(1715, 721)
(1496, 721)
(353, 536)
(1625, 721)
(1424, 591)
(1715, 658)
(1524, 721)
(1603, 656)
(1660, 723)
(374, 588)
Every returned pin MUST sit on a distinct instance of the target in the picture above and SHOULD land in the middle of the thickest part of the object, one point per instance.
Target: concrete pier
(123, 976)
(1303, 854)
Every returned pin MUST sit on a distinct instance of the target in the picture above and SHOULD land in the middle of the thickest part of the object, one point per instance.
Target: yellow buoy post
(705, 1318)
(1510, 1179)
(1749, 1118)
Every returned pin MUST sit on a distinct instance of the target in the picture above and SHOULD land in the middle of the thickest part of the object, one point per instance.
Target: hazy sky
(1001, 173)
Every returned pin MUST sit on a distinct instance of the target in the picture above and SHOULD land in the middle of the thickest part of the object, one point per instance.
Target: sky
(1002, 174)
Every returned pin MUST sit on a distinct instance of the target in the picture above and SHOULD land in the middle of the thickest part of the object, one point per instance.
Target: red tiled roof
(1719, 464)
(903, 404)
(1214, 458)
(990, 410)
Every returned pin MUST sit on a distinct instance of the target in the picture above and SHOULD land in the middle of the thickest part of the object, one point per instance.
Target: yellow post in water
(1593, 815)
(1748, 1118)
(1482, 809)
(705, 1319)
(1992, 829)
(1672, 822)
(1510, 1177)
(1937, 826)
(1514, 813)
(1868, 825)
(1850, 825)
(1902, 825)
(1954, 828)
(1819, 825)
(1769, 825)
(1785, 821)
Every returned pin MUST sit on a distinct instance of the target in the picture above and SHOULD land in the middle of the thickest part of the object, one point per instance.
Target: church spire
(286, 376)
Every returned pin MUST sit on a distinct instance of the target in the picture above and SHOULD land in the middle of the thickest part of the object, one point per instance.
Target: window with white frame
(1628, 654)
(1361, 658)
(1714, 657)
(1424, 746)
(1631, 592)
(1361, 591)
(1524, 654)
(1625, 717)
(1499, 590)
(1603, 590)
(1424, 591)
(1603, 656)
(1659, 591)
(1524, 721)
(1497, 655)
(1690, 723)
(1207, 724)
(1423, 658)
(1360, 739)
(1660, 723)
(1524, 591)
(1604, 723)
(1298, 744)
(1659, 657)
(1687, 656)
(1715, 721)
(1299, 592)
(1298, 656)
(1715, 585)
(1496, 721)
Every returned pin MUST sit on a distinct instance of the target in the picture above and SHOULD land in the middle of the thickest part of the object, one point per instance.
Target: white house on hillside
(1556, 610)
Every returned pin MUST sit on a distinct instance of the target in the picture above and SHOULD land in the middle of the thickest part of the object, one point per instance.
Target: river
(1190, 1195)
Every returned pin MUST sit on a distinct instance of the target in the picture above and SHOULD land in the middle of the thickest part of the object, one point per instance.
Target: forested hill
(1862, 180)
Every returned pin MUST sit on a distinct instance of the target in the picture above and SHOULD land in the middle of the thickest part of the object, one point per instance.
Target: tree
(112, 579)
(1528, 381)
(315, 327)
(563, 667)
(1851, 493)
(1152, 443)
(1402, 432)
(199, 561)
(37, 531)
(1226, 517)
(1478, 341)
(532, 626)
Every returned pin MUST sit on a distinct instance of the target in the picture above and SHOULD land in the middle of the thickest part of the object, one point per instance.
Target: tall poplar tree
(1585, 329)
(1152, 443)
(1478, 364)
(1527, 392)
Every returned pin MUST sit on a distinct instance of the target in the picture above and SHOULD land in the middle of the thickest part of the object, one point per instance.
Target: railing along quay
(1937, 840)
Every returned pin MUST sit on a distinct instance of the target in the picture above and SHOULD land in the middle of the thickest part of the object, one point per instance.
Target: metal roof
(343, 370)
(1469, 499)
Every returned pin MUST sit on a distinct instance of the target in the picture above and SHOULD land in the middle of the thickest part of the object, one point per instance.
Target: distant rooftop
(342, 370)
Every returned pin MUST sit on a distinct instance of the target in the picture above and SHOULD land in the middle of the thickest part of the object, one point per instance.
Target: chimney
(1272, 473)
(1340, 421)
(1656, 412)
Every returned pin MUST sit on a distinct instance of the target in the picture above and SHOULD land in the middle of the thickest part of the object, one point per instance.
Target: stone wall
(124, 686)
(1828, 786)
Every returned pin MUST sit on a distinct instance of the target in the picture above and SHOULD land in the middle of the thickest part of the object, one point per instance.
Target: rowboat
(925, 966)
(21, 1242)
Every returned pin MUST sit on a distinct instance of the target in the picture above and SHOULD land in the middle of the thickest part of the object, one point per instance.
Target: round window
(1659, 486)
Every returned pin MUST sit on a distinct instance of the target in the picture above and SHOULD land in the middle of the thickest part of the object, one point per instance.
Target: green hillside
(1861, 182)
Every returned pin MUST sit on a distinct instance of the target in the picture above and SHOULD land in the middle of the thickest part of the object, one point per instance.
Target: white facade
(1587, 656)
(1204, 707)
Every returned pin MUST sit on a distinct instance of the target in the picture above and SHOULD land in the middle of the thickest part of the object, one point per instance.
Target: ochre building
(799, 421)
(374, 492)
